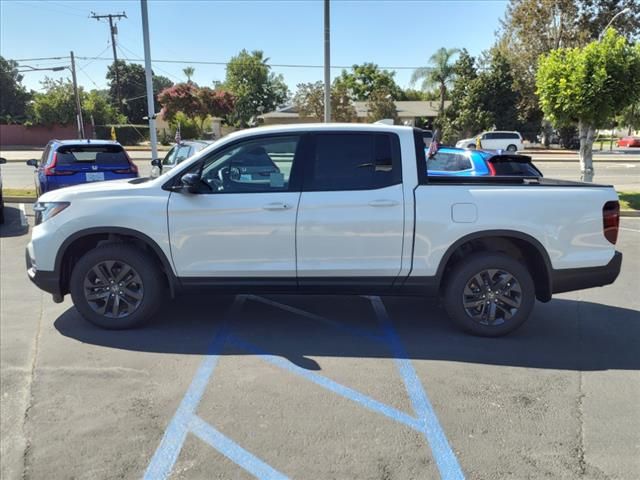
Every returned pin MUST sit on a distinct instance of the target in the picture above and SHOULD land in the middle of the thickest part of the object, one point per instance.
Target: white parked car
(324, 208)
(494, 140)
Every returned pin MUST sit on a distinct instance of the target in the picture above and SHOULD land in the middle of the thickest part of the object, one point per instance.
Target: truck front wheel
(116, 286)
(489, 294)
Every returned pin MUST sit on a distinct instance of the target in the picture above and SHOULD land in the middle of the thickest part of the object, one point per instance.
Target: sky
(390, 33)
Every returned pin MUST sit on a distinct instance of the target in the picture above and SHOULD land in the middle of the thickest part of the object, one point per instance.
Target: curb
(630, 213)
(19, 199)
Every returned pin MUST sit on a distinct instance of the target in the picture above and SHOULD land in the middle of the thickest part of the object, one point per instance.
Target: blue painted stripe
(356, 331)
(233, 451)
(330, 385)
(167, 452)
(446, 460)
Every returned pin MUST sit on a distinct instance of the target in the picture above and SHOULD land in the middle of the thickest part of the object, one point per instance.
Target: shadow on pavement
(12, 226)
(562, 334)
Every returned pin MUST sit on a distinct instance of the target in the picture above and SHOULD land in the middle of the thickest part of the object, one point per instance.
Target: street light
(76, 93)
(621, 12)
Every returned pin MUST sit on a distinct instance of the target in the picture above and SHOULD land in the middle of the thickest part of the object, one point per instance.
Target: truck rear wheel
(116, 286)
(489, 294)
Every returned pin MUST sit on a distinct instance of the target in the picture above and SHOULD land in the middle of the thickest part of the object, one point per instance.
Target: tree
(439, 73)
(256, 89)
(56, 105)
(466, 115)
(195, 103)
(589, 86)
(381, 106)
(133, 90)
(96, 104)
(13, 95)
(309, 102)
(364, 79)
(532, 28)
(188, 72)
(630, 117)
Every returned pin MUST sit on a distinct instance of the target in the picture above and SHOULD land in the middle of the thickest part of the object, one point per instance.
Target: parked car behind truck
(73, 162)
(351, 209)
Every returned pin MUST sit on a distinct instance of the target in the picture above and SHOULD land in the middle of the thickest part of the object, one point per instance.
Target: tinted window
(355, 161)
(514, 167)
(105, 155)
(505, 135)
(262, 165)
(448, 162)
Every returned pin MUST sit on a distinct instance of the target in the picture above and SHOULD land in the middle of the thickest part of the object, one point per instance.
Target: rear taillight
(611, 220)
(492, 169)
(133, 168)
(51, 171)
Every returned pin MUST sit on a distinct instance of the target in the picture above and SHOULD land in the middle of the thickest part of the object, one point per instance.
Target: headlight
(46, 210)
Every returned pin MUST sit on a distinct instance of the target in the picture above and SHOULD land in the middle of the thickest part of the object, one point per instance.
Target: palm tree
(189, 71)
(439, 73)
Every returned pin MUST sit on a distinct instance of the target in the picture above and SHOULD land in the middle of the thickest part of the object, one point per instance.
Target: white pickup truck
(336, 209)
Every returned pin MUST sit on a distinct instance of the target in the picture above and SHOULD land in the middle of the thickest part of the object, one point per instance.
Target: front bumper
(567, 280)
(44, 280)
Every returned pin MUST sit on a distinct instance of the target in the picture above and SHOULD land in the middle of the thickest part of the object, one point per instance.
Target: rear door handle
(383, 203)
(276, 206)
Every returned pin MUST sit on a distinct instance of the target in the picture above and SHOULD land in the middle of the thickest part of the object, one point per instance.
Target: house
(408, 112)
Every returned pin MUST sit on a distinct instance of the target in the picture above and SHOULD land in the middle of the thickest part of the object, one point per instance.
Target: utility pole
(327, 63)
(149, 79)
(80, 120)
(114, 31)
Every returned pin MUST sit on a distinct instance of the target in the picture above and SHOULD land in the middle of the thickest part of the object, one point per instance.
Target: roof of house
(405, 109)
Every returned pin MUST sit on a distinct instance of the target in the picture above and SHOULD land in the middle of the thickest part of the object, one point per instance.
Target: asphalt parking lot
(318, 387)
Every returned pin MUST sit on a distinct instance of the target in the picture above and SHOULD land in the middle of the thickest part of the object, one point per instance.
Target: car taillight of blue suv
(74, 162)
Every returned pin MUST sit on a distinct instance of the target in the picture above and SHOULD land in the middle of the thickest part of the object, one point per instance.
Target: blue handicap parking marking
(186, 421)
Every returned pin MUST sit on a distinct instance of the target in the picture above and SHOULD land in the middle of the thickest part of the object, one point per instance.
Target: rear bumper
(567, 280)
(44, 280)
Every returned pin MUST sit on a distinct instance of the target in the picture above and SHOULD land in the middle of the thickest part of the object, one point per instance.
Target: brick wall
(20, 135)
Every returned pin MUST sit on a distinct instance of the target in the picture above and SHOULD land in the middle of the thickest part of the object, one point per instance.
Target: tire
(462, 284)
(512, 148)
(471, 145)
(97, 274)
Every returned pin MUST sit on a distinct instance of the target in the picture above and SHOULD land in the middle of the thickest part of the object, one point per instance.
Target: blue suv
(74, 162)
(463, 162)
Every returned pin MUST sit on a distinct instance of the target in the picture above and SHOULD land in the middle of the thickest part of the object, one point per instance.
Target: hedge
(125, 134)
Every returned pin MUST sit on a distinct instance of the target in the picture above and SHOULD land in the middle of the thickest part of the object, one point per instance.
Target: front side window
(261, 165)
(354, 161)
(448, 162)
(170, 158)
(182, 153)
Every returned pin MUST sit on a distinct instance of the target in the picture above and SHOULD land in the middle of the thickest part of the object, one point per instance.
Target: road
(621, 170)
(319, 387)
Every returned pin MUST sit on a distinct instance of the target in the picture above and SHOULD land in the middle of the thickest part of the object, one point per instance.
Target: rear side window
(103, 155)
(448, 162)
(354, 161)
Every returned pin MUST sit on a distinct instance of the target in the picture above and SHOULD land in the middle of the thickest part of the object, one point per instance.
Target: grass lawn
(629, 200)
(19, 192)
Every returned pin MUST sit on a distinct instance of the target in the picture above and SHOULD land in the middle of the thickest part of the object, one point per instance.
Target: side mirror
(33, 163)
(156, 162)
(191, 181)
(3, 160)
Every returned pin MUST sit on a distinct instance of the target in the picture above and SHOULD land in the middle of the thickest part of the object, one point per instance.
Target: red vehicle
(629, 142)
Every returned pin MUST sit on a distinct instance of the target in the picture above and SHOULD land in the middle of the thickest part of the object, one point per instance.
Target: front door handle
(276, 206)
(383, 203)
